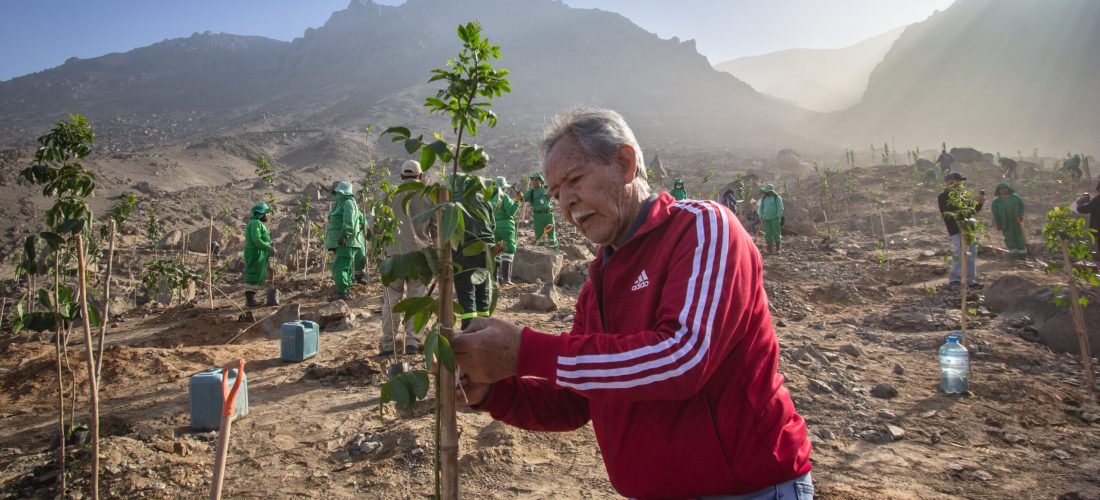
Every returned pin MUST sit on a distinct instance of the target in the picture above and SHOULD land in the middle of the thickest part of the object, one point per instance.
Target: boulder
(546, 300)
(328, 314)
(171, 241)
(578, 253)
(1005, 291)
(967, 155)
(166, 296)
(573, 276)
(536, 263)
(197, 241)
(273, 325)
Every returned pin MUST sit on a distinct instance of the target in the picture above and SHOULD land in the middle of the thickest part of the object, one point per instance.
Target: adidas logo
(641, 282)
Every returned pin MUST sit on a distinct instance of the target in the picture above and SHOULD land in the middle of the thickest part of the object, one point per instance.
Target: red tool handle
(230, 395)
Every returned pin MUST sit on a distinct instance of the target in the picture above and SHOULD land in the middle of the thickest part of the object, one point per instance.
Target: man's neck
(634, 207)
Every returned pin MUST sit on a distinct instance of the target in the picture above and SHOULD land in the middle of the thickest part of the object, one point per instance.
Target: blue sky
(40, 34)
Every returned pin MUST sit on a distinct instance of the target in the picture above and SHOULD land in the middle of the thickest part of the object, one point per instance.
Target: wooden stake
(828, 226)
(106, 303)
(93, 389)
(1078, 320)
(882, 224)
(448, 425)
(965, 281)
(210, 262)
(60, 378)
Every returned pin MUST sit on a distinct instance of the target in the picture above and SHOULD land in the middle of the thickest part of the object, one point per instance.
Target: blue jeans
(971, 261)
(800, 488)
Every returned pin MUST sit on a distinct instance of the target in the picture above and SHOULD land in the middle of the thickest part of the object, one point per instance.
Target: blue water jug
(300, 340)
(954, 366)
(205, 392)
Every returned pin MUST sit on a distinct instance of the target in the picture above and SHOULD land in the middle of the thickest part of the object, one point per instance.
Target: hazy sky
(40, 34)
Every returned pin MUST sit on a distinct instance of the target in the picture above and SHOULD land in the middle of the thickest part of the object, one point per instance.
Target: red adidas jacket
(673, 357)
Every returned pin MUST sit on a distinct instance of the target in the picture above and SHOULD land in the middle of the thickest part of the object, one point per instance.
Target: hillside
(994, 74)
(368, 64)
(815, 79)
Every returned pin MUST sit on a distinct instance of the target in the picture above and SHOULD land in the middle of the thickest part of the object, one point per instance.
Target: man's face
(263, 218)
(536, 182)
(593, 195)
(1003, 192)
(949, 182)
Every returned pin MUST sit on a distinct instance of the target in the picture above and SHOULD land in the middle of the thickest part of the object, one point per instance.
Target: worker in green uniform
(770, 210)
(1008, 217)
(473, 278)
(678, 190)
(257, 250)
(360, 262)
(342, 238)
(504, 215)
(539, 198)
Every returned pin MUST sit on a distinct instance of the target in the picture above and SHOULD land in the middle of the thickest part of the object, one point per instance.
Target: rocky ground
(859, 320)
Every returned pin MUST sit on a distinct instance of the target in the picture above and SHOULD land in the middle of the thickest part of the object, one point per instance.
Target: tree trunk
(93, 389)
(448, 425)
(1079, 321)
(106, 304)
(60, 378)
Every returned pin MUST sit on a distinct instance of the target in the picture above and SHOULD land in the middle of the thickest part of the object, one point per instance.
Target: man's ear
(627, 161)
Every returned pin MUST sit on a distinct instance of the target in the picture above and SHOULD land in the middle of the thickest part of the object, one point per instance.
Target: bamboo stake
(305, 238)
(3, 309)
(965, 282)
(93, 389)
(60, 379)
(448, 425)
(1079, 321)
(106, 303)
(828, 226)
(210, 262)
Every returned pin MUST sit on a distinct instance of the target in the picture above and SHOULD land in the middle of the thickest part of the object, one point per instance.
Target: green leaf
(44, 300)
(474, 248)
(420, 383)
(451, 220)
(446, 354)
(427, 158)
(400, 133)
(54, 240)
(411, 145)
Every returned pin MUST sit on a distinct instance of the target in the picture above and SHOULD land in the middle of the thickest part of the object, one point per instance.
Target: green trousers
(541, 221)
(473, 285)
(1015, 242)
(772, 231)
(342, 272)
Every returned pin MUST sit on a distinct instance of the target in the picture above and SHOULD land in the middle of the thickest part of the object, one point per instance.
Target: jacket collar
(655, 211)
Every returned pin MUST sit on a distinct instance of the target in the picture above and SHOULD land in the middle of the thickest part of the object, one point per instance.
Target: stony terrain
(859, 323)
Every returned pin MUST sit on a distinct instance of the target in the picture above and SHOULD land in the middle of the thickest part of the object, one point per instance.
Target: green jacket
(504, 212)
(770, 207)
(679, 193)
(257, 250)
(256, 236)
(539, 198)
(343, 223)
(479, 222)
(1008, 210)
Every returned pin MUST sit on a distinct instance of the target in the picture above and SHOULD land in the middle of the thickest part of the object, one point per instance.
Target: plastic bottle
(954, 366)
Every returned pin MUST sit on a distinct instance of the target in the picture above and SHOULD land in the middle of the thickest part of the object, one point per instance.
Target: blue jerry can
(205, 391)
(300, 340)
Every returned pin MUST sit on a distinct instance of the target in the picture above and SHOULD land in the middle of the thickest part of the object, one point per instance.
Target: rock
(578, 252)
(898, 369)
(1014, 438)
(171, 241)
(573, 276)
(1060, 455)
(328, 314)
(819, 387)
(1007, 290)
(884, 391)
(894, 432)
(851, 350)
(273, 325)
(886, 415)
(344, 325)
(197, 241)
(545, 301)
(536, 263)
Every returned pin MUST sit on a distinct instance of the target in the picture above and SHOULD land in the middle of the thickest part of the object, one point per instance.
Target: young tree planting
(963, 209)
(470, 82)
(1072, 237)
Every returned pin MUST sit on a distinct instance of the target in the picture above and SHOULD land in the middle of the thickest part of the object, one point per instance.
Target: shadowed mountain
(996, 74)
(369, 64)
(815, 79)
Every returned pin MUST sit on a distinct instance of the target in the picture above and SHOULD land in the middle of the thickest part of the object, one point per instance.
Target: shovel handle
(230, 395)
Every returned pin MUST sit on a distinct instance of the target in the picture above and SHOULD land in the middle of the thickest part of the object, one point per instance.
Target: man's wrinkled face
(592, 194)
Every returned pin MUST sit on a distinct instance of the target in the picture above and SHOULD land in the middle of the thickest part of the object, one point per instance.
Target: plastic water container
(300, 340)
(205, 391)
(954, 366)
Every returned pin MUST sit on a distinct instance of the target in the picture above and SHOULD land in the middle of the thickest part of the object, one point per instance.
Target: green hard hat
(261, 208)
(677, 181)
(343, 188)
(501, 182)
(768, 188)
(538, 175)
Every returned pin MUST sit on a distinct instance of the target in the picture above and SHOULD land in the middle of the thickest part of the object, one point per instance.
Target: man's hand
(487, 350)
(477, 392)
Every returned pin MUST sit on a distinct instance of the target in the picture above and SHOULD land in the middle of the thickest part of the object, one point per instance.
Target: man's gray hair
(600, 132)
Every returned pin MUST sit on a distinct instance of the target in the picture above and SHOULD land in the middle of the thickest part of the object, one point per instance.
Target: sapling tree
(375, 198)
(470, 82)
(116, 216)
(153, 229)
(57, 167)
(963, 209)
(171, 275)
(1072, 237)
(267, 175)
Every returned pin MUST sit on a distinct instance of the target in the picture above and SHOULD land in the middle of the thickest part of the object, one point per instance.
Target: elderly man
(413, 233)
(672, 355)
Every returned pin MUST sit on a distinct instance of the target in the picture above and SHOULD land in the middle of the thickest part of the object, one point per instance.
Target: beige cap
(410, 168)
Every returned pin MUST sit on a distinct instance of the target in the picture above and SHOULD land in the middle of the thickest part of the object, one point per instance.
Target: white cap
(410, 168)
